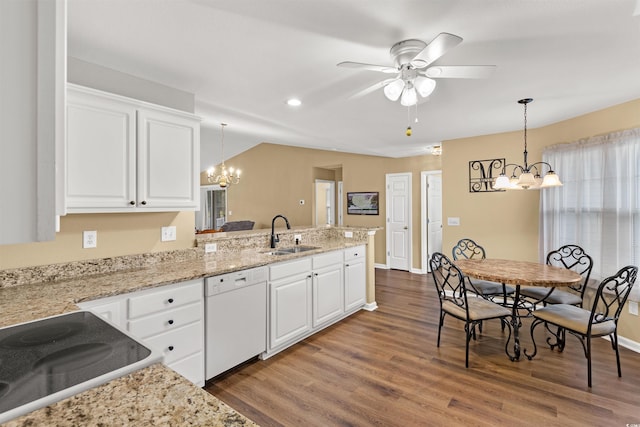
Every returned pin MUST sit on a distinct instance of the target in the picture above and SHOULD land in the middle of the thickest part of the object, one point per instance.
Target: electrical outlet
(453, 221)
(169, 233)
(89, 239)
(297, 238)
(633, 307)
(348, 234)
(210, 247)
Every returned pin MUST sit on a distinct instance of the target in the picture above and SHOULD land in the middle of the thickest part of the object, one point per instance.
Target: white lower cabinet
(328, 295)
(289, 302)
(355, 278)
(168, 318)
(308, 294)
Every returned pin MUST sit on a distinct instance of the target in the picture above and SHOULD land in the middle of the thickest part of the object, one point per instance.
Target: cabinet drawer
(286, 269)
(158, 299)
(179, 342)
(324, 260)
(166, 320)
(354, 253)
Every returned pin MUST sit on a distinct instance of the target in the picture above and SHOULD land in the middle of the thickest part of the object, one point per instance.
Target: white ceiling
(243, 58)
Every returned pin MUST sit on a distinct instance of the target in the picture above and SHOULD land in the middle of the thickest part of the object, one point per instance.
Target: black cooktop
(41, 358)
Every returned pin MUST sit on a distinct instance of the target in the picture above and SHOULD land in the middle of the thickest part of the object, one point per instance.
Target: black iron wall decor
(481, 177)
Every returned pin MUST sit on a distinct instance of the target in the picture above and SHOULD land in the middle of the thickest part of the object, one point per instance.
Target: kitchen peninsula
(154, 393)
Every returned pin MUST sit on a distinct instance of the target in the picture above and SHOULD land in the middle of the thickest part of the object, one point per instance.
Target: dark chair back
(612, 295)
(573, 257)
(237, 226)
(449, 280)
(468, 249)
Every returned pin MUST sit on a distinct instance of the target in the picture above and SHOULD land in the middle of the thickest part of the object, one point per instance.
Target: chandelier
(529, 175)
(226, 176)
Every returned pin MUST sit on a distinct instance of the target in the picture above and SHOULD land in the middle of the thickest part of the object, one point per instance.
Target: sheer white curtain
(598, 207)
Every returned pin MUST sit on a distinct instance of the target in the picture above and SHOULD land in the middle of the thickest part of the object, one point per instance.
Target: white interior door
(399, 221)
(434, 214)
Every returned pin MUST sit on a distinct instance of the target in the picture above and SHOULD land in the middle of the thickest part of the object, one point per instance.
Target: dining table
(517, 274)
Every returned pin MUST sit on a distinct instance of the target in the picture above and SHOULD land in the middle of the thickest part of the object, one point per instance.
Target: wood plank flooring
(383, 368)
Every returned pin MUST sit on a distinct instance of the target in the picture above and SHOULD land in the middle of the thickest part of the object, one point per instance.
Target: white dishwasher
(236, 319)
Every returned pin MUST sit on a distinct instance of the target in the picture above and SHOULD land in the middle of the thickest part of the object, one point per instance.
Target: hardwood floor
(383, 368)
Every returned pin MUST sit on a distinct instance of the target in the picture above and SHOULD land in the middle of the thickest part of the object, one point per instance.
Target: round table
(517, 273)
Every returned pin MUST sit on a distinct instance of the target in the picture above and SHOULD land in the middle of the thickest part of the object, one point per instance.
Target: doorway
(213, 205)
(430, 216)
(399, 220)
(325, 202)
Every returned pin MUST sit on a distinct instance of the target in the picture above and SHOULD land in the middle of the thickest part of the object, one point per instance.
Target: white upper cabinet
(32, 80)
(124, 155)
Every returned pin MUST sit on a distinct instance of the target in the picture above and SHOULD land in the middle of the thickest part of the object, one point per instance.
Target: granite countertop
(152, 396)
(138, 401)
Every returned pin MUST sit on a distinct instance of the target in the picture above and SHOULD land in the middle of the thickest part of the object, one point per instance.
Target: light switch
(453, 220)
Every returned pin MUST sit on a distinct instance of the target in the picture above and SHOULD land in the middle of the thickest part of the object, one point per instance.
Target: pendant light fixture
(526, 176)
(226, 176)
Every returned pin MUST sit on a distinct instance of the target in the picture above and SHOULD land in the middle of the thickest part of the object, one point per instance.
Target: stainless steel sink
(291, 250)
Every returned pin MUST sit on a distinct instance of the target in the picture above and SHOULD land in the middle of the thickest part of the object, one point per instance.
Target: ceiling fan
(414, 77)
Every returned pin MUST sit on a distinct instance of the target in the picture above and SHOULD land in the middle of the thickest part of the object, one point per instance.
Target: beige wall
(506, 223)
(276, 177)
(118, 234)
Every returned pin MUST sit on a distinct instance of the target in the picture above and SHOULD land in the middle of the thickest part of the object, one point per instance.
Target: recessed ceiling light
(294, 102)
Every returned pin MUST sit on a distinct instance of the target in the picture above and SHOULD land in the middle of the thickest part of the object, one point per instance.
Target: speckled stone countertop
(139, 401)
(154, 395)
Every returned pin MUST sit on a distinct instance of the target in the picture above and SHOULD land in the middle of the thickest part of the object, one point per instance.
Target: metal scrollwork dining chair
(600, 321)
(468, 249)
(452, 292)
(571, 257)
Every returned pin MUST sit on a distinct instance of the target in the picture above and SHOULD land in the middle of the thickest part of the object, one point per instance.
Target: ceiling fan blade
(371, 67)
(460, 71)
(434, 50)
(371, 88)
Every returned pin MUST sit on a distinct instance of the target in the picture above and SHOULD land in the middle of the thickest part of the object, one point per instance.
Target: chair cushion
(479, 309)
(573, 318)
(557, 296)
(489, 288)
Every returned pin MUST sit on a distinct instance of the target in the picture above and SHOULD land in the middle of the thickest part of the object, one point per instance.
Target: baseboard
(381, 266)
(418, 271)
(627, 343)
(370, 306)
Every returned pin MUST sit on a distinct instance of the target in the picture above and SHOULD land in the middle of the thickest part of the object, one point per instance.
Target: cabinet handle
(309, 277)
(143, 202)
(132, 203)
(170, 300)
(346, 265)
(170, 348)
(170, 322)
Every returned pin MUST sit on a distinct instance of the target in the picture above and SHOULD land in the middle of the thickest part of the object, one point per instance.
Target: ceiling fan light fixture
(424, 85)
(394, 89)
(409, 97)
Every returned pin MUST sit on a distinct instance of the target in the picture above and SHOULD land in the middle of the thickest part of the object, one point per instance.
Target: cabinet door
(290, 309)
(168, 160)
(33, 58)
(327, 294)
(355, 284)
(100, 152)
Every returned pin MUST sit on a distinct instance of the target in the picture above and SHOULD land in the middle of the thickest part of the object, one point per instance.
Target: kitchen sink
(291, 250)
(50, 359)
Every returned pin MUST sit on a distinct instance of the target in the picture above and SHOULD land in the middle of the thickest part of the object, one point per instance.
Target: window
(598, 207)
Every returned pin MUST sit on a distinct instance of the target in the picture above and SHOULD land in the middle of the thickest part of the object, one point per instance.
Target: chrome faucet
(274, 237)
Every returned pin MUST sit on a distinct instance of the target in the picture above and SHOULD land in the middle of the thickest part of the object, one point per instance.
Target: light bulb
(409, 97)
(394, 89)
(424, 85)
